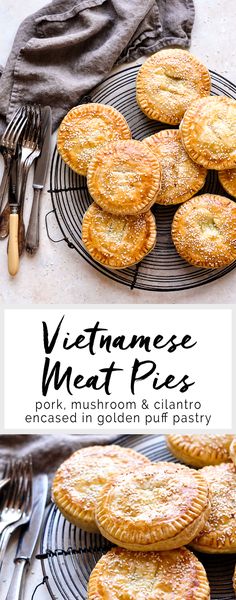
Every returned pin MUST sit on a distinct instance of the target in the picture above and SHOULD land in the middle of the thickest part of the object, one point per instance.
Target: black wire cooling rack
(162, 270)
(69, 554)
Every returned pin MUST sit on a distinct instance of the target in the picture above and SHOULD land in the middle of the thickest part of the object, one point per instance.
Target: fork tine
(16, 124)
(10, 125)
(11, 486)
(19, 128)
(28, 502)
(28, 124)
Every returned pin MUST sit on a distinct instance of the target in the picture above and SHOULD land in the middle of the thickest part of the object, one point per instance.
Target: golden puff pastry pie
(118, 241)
(80, 478)
(232, 451)
(87, 127)
(124, 177)
(219, 532)
(200, 450)
(228, 181)
(124, 575)
(168, 82)
(208, 132)
(181, 177)
(204, 231)
(158, 507)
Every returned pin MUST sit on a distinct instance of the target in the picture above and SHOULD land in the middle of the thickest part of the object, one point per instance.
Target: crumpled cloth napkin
(47, 451)
(65, 49)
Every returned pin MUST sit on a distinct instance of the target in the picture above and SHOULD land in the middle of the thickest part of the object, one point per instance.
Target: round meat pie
(80, 478)
(208, 132)
(228, 181)
(124, 575)
(118, 241)
(158, 507)
(219, 532)
(168, 82)
(204, 231)
(200, 450)
(181, 177)
(87, 127)
(124, 178)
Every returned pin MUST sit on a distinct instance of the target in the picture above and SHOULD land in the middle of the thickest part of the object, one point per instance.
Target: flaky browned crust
(181, 177)
(208, 132)
(124, 575)
(219, 532)
(228, 181)
(118, 241)
(232, 451)
(87, 127)
(158, 507)
(124, 178)
(168, 82)
(200, 450)
(80, 478)
(204, 231)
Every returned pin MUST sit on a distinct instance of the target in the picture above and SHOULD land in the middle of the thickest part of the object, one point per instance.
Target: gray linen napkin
(65, 49)
(47, 451)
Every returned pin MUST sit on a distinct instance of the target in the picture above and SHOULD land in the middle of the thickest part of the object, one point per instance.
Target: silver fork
(8, 145)
(19, 505)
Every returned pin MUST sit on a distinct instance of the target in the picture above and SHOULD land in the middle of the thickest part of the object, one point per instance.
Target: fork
(8, 145)
(18, 508)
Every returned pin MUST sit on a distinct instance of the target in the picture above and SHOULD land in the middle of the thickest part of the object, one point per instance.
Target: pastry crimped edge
(227, 179)
(183, 531)
(213, 262)
(120, 124)
(212, 543)
(194, 455)
(192, 115)
(164, 133)
(232, 451)
(100, 256)
(95, 592)
(158, 114)
(73, 511)
(150, 198)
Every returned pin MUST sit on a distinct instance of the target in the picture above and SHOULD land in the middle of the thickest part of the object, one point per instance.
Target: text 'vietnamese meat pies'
(200, 450)
(219, 532)
(124, 575)
(204, 231)
(181, 177)
(118, 241)
(208, 132)
(233, 451)
(168, 82)
(85, 128)
(158, 507)
(80, 478)
(124, 178)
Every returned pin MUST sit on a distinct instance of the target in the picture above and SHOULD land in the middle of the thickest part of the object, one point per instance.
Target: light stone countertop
(59, 275)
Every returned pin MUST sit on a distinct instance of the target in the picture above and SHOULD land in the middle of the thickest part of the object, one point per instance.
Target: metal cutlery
(17, 497)
(29, 537)
(4, 482)
(8, 146)
(32, 235)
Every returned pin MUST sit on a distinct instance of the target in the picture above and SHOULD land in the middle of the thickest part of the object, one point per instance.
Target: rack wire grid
(163, 270)
(69, 554)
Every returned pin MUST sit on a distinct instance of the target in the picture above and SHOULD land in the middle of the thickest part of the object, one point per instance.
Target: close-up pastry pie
(168, 82)
(124, 177)
(124, 575)
(181, 177)
(204, 231)
(80, 478)
(232, 451)
(200, 450)
(228, 181)
(158, 507)
(219, 532)
(118, 241)
(208, 132)
(87, 127)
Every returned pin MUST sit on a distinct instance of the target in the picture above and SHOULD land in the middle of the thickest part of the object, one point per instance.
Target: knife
(13, 249)
(41, 167)
(29, 537)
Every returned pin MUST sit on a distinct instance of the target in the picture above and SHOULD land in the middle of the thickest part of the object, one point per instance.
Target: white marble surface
(58, 274)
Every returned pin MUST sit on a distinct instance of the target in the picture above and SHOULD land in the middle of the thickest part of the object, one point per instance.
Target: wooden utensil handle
(13, 248)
